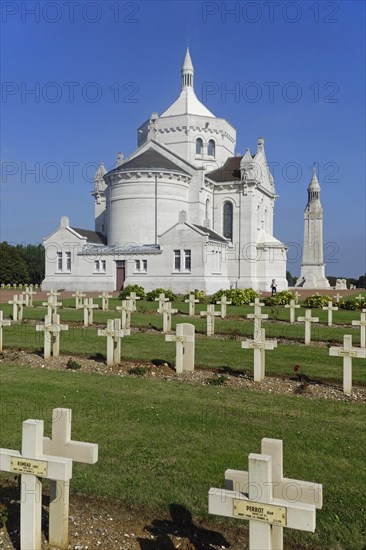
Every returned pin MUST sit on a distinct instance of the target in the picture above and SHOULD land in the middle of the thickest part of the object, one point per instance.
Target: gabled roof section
(92, 237)
(228, 172)
(149, 160)
(212, 235)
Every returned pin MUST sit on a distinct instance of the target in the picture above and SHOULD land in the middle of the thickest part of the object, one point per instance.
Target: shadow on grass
(180, 525)
(161, 363)
(98, 357)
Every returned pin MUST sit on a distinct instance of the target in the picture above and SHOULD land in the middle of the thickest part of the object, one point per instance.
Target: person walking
(273, 287)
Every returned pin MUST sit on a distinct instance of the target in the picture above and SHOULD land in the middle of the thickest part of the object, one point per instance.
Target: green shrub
(237, 296)
(151, 296)
(140, 292)
(138, 371)
(353, 304)
(280, 299)
(217, 380)
(317, 301)
(198, 294)
(72, 364)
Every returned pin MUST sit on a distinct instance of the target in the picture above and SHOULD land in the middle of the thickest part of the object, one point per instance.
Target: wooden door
(120, 274)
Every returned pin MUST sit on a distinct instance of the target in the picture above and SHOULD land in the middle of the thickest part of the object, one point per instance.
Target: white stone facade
(181, 212)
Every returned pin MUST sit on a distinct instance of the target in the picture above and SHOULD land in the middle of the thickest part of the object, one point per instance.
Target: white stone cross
(54, 294)
(167, 316)
(125, 308)
(267, 513)
(32, 463)
(210, 314)
(105, 300)
(297, 296)
(61, 444)
(114, 333)
(362, 324)
(88, 307)
(79, 295)
(292, 306)
(348, 353)
(259, 346)
(223, 302)
(184, 355)
(52, 304)
(337, 297)
(330, 308)
(289, 490)
(51, 328)
(18, 305)
(308, 319)
(191, 301)
(359, 297)
(161, 301)
(133, 297)
(257, 316)
(3, 323)
(28, 295)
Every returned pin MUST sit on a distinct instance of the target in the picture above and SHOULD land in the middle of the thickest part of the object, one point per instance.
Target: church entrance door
(120, 274)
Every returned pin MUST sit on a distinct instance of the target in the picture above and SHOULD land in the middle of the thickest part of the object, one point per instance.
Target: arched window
(228, 220)
(199, 146)
(211, 148)
(207, 214)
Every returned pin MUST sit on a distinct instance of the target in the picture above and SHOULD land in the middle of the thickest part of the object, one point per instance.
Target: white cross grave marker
(133, 297)
(61, 444)
(337, 297)
(359, 297)
(79, 295)
(167, 316)
(292, 306)
(297, 296)
(308, 319)
(330, 308)
(362, 324)
(18, 305)
(191, 301)
(32, 463)
(3, 323)
(266, 501)
(114, 333)
(223, 302)
(88, 307)
(210, 314)
(259, 346)
(348, 353)
(184, 338)
(125, 308)
(105, 300)
(51, 328)
(161, 301)
(52, 304)
(257, 316)
(28, 295)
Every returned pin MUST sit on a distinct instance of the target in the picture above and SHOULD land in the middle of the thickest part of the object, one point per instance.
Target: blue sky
(99, 69)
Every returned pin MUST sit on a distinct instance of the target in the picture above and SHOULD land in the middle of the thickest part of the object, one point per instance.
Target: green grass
(162, 442)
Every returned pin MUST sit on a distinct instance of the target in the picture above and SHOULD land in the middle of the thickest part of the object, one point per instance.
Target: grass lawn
(162, 442)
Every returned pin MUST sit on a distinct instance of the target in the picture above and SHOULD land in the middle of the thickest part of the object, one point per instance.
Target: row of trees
(21, 264)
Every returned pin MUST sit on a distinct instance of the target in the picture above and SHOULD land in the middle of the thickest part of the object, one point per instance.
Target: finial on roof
(101, 171)
(187, 71)
(314, 184)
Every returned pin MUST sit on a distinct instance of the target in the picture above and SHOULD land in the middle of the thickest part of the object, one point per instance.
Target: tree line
(21, 264)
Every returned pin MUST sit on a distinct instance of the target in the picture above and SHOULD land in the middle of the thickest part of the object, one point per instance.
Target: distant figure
(274, 287)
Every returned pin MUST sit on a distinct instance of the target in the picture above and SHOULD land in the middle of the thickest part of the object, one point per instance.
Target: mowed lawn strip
(162, 442)
(211, 352)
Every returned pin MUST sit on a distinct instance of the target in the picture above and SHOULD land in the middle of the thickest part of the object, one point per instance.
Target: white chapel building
(182, 212)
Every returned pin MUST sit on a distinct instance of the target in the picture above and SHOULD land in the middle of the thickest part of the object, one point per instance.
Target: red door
(120, 274)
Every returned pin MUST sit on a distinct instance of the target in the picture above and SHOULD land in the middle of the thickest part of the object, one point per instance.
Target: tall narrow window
(228, 220)
(207, 212)
(144, 266)
(68, 261)
(137, 265)
(176, 260)
(96, 266)
(59, 261)
(211, 148)
(199, 146)
(103, 265)
(187, 260)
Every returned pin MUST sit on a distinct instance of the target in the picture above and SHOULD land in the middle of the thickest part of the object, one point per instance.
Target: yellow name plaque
(28, 466)
(245, 509)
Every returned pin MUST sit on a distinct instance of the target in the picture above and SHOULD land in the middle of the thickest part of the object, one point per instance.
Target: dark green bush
(140, 292)
(353, 304)
(73, 365)
(138, 371)
(218, 380)
(237, 296)
(280, 299)
(151, 296)
(317, 301)
(198, 294)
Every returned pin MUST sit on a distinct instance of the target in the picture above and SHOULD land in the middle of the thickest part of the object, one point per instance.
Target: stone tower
(312, 267)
